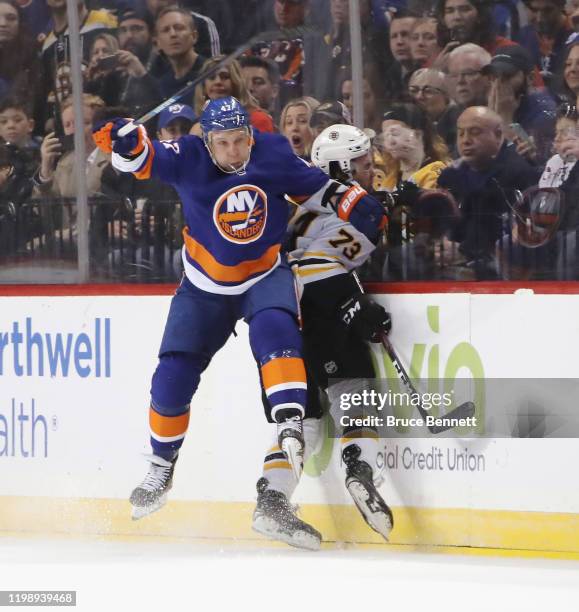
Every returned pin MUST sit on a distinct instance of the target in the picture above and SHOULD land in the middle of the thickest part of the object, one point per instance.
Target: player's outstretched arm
(106, 136)
(131, 153)
(137, 153)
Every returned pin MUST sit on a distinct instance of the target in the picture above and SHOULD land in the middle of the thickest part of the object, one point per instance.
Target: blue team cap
(176, 111)
(223, 114)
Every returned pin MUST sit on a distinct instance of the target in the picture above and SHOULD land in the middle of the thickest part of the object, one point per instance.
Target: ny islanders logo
(240, 213)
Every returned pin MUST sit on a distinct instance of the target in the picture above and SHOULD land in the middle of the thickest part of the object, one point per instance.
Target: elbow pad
(363, 211)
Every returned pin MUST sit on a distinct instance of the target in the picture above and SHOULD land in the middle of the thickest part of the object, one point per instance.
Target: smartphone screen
(519, 131)
(67, 142)
(108, 62)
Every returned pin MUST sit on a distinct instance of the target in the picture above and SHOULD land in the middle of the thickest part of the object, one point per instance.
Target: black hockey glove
(365, 317)
(407, 194)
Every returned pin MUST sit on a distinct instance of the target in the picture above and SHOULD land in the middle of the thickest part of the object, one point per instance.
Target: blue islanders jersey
(235, 224)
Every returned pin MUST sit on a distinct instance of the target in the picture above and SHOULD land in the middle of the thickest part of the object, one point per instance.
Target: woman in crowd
(19, 64)
(428, 89)
(462, 21)
(119, 78)
(294, 124)
(412, 149)
(229, 81)
(102, 79)
(414, 156)
(567, 82)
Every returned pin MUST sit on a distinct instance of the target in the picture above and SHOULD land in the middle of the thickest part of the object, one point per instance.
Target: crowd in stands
(466, 98)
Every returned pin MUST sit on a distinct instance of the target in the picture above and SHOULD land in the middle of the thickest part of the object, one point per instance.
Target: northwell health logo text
(27, 350)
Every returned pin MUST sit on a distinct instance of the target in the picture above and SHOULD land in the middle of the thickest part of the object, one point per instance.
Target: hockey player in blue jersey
(232, 183)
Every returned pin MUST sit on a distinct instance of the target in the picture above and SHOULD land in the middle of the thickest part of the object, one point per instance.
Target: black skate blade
(379, 521)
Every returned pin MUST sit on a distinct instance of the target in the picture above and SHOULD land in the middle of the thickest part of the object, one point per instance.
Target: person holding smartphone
(56, 176)
(528, 114)
(118, 76)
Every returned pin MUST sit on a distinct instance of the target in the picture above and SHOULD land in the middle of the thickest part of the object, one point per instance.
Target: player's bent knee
(274, 329)
(175, 381)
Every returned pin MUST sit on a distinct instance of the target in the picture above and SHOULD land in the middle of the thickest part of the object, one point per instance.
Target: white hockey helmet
(339, 143)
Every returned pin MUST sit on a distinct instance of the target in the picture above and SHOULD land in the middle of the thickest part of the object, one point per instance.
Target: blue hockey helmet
(223, 114)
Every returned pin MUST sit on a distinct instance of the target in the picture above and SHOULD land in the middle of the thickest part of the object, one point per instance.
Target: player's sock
(167, 431)
(276, 468)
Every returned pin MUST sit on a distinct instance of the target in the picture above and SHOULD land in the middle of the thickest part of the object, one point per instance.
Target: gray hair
(472, 49)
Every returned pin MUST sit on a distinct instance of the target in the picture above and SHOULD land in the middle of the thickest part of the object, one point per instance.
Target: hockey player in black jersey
(338, 322)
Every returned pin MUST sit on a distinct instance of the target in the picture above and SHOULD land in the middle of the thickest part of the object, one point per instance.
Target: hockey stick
(190, 86)
(463, 411)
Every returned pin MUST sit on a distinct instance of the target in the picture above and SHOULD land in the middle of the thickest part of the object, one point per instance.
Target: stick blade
(464, 411)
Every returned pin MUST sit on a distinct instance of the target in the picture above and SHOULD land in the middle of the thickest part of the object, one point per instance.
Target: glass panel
(424, 63)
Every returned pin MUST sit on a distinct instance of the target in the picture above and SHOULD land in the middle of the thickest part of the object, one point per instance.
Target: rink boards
(74, 385)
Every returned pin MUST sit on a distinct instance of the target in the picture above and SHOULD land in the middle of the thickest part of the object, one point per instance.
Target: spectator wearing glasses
(468, 85)
(428, 89)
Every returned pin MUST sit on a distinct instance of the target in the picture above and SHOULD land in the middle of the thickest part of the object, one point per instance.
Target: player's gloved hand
(365, 317)
(364, 212)
(105, 135)
(407, 194)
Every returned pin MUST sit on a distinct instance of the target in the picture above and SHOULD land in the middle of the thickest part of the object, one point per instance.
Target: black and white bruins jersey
(322, 245)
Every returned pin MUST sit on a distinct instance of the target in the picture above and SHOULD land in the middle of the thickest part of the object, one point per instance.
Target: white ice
(166, 575)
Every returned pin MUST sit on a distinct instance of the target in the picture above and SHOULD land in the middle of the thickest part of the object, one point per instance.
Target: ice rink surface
(157, 574)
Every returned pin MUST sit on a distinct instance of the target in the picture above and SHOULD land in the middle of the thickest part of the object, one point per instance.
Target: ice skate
(151, 494)
(361, 487)
(274, 517)
(290, 436)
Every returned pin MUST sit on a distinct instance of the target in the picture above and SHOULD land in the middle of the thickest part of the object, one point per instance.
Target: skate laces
(292, 427)
(158, 474)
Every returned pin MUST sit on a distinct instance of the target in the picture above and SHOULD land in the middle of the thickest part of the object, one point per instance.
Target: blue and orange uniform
(235, 223)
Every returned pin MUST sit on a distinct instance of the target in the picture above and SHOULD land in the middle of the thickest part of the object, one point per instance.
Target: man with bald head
(484, 181)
